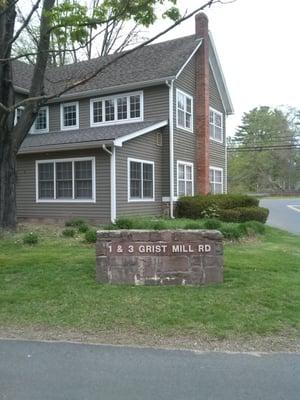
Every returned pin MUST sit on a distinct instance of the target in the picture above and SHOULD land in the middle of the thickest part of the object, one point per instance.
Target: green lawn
(52, 285)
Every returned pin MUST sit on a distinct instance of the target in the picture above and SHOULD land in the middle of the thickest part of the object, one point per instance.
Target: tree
(69, 20)
(114, 36)
(263, 153)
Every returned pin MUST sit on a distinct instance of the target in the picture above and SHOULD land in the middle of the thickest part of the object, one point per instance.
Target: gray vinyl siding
(156, 107)
(185, 141)
(27, 207)
(218, 150)
(142, 148)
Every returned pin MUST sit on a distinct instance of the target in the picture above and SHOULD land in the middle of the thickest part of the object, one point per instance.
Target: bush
(259, 214)
(231, 232)
(124, 223)
(91, 236)
(252, 228)
(226, 207)
(83, 228)
(31, 238)
(75, 222)
(212, 223)
(193, 225)
(69, 232)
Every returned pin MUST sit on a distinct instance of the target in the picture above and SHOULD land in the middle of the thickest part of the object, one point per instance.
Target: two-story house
(146, 130)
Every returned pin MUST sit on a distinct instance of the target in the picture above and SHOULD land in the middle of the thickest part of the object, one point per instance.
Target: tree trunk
(8, 218)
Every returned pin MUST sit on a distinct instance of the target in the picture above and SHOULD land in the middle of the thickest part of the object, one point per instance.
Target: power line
(262, 148)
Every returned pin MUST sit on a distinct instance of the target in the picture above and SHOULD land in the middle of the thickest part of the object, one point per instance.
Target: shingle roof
(153, 62)
(89, 136)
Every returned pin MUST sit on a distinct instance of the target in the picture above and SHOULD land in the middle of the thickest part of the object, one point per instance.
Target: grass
(51, 285)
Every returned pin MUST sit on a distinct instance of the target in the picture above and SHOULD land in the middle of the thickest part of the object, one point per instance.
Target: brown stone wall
(179, 257)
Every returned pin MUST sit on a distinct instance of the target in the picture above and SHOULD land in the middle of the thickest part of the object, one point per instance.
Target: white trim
(33, 129)
(167, 199)
(189, 164)
(222, 177)
(189, 59)
(171, 146)
(142, 199)
(222, 123)
(119, 142)
(72, 127)
(229, 110)
(114, 98)
(191, 129)
(73, 200)
(15, 115)
(113, 197)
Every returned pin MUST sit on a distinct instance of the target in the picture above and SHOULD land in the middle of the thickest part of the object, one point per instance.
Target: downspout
(171, 144)
(113, 203)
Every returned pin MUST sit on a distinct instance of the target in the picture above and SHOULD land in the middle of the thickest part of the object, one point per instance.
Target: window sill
(66, 201)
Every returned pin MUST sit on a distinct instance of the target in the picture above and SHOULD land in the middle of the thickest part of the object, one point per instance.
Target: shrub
(252, 228)
(83, 228)
(193, 225)
(212, 223)
(158, 225)
(244, 214)
(91, 236)
(209, 206)
(124, 223)
(231, 232)
(75, 222)
(69, 232)
(31, 238)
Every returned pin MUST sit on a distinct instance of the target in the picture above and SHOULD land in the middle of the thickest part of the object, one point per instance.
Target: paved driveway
(60, 371)
(284, 213)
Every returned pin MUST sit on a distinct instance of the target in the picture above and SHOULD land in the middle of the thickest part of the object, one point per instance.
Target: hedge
(244, 214)
(226, 207)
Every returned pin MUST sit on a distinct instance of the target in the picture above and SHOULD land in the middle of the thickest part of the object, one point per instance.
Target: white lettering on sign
(159, 249)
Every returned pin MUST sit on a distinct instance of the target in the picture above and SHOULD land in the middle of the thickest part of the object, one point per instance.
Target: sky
(258, 43)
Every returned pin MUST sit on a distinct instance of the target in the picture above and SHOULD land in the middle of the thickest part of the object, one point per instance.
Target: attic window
(41, 123)
(69, 116)
(117, 109)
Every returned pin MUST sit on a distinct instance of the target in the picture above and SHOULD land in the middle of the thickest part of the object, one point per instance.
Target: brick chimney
(202, 106)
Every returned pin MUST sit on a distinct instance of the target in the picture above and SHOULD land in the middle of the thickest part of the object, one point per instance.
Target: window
(18, 113)
(216, 125)
(140, 180)
(116, 109)
(216, 180)
(66, 180)
(185, 178)
(69, 116)
(41, 123)
(184, 110)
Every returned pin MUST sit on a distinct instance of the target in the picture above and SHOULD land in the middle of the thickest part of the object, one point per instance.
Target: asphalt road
(284, 213)
(57, 371)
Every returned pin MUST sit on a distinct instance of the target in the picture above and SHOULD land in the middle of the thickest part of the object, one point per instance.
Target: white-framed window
(184, 111)
(66, 180)
(216, 180)
(119, 109)
(185, 178)
(18, 113)
(141, 180)
(41, 123)
(216, 125)
(69, 116)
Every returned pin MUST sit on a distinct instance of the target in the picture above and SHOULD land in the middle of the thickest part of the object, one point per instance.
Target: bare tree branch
(44, 98)
(25, 23)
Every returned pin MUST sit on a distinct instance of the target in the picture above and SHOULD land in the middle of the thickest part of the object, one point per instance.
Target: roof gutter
(96, 92)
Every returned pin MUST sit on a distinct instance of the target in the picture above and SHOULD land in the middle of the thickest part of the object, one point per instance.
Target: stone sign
(178, 257)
